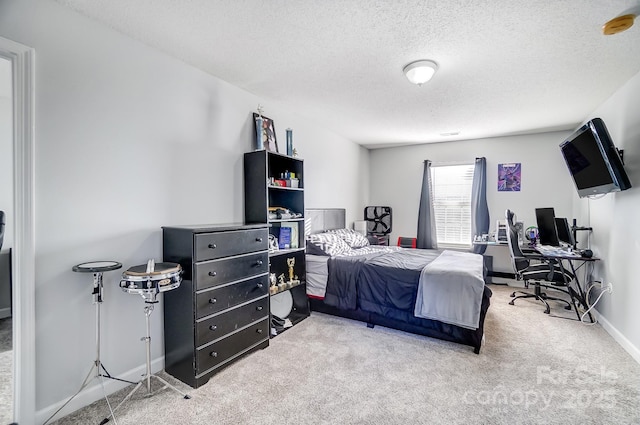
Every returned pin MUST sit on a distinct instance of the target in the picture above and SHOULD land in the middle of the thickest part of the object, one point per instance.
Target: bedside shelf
(285, 289)
(284, 252)
(286, 188)
(281, 220)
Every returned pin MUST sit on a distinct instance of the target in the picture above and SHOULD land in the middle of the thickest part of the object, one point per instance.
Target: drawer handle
(259, 308)
(212, 301)
(213, 327)
(213, 274)
(258, 239)
(213, 246)
(259, 263)
(259, 285)
(213, 354)
(259, 331)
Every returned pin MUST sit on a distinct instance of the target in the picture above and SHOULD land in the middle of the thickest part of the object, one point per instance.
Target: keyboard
(549, 250)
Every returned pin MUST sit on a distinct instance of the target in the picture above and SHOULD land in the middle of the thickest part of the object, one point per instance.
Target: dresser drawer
(209, 246)
(217, 272)
(217, 299)
(217, 326)
(224, 349)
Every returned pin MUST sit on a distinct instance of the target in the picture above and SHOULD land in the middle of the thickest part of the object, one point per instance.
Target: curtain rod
(450, 163)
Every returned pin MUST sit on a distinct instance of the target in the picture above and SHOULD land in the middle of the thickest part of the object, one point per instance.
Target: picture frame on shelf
(268, 132)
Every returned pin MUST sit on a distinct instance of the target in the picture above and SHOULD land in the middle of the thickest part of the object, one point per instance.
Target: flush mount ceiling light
(419, 72)
(622, 22)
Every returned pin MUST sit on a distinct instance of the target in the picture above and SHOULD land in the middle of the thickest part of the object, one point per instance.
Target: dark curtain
(426, 219)
(479, 207)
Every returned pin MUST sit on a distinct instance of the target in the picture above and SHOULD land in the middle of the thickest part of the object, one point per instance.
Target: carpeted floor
(6, 334)
(6, 371)
(533, 368)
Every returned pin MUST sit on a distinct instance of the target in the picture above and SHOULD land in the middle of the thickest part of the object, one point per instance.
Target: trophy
(293, 279)
(273, 283)
(282, 285)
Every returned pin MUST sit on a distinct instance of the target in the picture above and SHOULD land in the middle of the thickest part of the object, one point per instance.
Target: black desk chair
(2, 223)
(544, 270)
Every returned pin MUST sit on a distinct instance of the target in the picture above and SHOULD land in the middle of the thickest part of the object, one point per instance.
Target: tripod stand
(148, 284)
(97, 369)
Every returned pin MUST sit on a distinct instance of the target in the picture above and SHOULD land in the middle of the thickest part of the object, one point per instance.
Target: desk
(523, 247)
(572, 259)
(490, 243)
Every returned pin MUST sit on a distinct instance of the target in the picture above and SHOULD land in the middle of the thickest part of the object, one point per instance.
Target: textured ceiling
(505, 67)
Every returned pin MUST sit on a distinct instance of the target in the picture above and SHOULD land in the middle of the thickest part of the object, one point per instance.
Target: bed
(436, 293)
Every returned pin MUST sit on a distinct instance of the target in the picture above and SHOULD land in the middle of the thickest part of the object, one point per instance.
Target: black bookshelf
(275, 180)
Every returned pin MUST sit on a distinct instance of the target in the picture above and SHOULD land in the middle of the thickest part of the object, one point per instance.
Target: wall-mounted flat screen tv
(593, 160)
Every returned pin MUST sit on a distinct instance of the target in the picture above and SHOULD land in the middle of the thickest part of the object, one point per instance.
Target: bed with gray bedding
(436, 293)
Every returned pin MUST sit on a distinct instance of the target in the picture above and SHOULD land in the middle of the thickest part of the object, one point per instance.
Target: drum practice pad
(96, 266)
(281, 304)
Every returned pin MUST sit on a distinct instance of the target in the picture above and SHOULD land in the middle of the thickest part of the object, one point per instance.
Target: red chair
(407, 242)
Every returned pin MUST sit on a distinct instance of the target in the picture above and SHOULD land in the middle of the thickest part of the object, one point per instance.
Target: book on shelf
(293, 233)
(284, 239)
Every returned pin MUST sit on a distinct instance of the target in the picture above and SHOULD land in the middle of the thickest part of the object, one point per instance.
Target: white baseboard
(94, 392)
(619, 337)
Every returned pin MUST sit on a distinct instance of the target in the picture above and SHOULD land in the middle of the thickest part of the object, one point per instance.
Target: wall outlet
(610, 287)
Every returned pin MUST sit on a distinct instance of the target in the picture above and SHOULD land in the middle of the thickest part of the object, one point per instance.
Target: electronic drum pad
(281, 304)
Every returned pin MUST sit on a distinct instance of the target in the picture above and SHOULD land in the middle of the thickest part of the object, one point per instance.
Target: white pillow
(329, 243)
(351, 237)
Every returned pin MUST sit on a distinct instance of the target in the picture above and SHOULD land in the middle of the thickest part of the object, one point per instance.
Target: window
(451, 189)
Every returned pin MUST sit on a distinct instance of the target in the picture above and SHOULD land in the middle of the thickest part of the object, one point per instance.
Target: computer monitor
(564, 231)
(545, 217)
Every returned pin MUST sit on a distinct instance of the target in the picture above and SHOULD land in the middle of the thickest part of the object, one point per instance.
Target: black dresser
(220, 312)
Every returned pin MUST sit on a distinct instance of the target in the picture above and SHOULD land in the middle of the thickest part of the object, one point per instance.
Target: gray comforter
(450, 289)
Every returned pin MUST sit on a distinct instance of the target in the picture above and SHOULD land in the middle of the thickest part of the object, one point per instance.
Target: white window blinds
(452, 203)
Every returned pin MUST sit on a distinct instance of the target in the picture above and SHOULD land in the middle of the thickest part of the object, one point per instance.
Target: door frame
(23, 252)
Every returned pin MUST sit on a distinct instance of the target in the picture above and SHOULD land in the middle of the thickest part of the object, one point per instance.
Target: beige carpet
(533, 368)
(6, 371)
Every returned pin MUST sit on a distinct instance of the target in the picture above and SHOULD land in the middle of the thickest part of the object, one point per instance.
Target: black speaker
(587, 253)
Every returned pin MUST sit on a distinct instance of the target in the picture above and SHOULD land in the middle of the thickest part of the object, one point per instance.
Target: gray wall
(128, 140)
(396, 179)
(6, 184)
(614, 218)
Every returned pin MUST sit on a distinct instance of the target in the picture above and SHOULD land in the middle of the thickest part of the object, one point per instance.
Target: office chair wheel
(566, 307)
(511, 302)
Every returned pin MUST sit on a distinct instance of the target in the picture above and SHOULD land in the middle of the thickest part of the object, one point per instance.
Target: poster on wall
(509, 177)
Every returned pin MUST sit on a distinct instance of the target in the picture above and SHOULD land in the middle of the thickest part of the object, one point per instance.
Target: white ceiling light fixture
(419, 72)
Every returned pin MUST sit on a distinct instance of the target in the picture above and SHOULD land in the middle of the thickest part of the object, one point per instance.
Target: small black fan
(378, 220)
